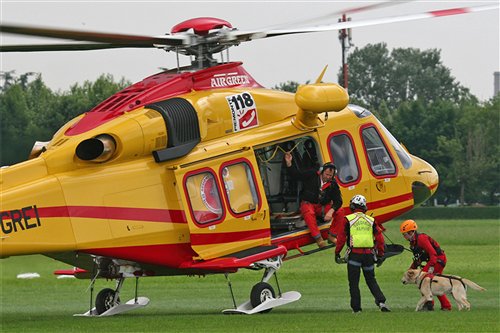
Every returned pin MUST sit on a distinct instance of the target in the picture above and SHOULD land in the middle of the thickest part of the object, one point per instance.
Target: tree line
(409, 90)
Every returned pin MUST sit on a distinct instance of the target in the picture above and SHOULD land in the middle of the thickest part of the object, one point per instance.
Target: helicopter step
(268, 304)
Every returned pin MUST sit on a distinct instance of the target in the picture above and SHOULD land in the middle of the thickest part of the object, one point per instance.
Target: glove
(380, 261)
(430, 270)
(338, 260)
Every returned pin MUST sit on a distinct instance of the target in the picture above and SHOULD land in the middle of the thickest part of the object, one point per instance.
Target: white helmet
(358, 202)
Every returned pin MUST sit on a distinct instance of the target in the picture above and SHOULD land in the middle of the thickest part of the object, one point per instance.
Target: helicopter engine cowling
(313, 99)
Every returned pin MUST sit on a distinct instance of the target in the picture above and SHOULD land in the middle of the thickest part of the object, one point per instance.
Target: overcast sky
(469, 43)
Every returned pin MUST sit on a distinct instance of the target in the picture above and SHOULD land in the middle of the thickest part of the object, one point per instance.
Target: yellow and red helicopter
(182, 173)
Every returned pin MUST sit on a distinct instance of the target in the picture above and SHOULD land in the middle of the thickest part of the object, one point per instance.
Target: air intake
(183, 130)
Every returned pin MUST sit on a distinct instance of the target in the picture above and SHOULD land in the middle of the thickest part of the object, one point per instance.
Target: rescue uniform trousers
(337, 222)
(445, 303)
(355, 263)
(310, 212)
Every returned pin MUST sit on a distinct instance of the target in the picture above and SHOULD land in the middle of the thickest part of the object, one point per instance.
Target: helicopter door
(224, 207)
(390, 196)
(350, 177)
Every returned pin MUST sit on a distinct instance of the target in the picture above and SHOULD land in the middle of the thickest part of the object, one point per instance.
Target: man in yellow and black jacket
(365, 249)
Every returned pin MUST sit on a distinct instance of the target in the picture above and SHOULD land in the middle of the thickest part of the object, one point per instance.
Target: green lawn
(194, 304)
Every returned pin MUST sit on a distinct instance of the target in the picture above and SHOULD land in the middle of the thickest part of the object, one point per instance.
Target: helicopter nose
(426, 185)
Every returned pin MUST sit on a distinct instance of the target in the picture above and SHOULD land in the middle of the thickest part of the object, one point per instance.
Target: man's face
(327, 175)
(409, 235)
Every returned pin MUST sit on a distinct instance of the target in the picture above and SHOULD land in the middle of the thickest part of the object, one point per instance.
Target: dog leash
(394, 243)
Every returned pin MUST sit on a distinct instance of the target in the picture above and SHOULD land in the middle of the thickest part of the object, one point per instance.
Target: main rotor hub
(208, 36)
(201, 25)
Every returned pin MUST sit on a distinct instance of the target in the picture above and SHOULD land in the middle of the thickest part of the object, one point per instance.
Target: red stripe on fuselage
(390, 201)
(393, 214)
(446, 12)
(228, 237)
(115, 213)
(169, 255)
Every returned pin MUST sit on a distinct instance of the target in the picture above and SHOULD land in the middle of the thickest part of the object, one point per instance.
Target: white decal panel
(243, 111)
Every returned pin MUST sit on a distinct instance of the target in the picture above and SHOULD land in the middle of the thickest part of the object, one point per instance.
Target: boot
(321, 242)
(428, 306)
(445, 303)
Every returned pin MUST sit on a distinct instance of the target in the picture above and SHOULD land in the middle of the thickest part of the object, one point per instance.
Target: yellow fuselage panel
(35, 219)
(215, 115)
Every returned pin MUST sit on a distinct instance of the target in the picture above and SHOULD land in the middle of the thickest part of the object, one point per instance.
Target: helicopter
(182, 173)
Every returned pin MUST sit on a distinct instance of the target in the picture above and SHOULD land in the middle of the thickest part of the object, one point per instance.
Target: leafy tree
(378, 76)
(8, 79)
(451, 167)
(15, 120)
(41, 102)
(478, 131)
(368, 75)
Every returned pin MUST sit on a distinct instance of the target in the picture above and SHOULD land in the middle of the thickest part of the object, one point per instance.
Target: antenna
(345, 38)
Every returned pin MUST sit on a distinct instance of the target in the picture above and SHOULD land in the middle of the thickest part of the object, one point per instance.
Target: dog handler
(366, 243)
(425, 249)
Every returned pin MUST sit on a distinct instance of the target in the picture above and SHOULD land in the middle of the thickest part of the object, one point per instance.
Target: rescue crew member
(320, 196)
(365, 248)
(426, 249)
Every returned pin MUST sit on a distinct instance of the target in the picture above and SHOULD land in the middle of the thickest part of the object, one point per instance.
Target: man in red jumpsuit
(320, 197)
(426, 249)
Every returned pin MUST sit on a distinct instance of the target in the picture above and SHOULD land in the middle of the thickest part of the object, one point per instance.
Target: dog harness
(449, 277)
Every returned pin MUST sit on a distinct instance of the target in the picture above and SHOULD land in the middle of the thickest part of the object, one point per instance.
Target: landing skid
(246, 308)
(262, 297)
(133, 304)
(107, 302)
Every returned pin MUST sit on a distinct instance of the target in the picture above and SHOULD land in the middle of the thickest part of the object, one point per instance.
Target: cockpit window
(380, 160)
(344, 158)
(402, 154)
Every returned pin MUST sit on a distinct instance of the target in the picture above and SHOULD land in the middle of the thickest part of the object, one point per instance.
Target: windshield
(402, 154)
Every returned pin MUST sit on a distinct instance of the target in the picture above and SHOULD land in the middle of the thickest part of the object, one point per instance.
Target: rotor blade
(336, 14)
(65, 47)
(373, 6)
(99, 37)
(246, 36)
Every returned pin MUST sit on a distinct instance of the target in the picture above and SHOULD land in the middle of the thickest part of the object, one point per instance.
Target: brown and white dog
(437, 285)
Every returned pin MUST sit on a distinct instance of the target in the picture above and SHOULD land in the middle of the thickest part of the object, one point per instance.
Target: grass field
(194, 304)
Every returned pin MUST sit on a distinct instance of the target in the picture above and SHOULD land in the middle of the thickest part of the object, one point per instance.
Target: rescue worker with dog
(365, 248)
(320, 197)
(425, 249)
